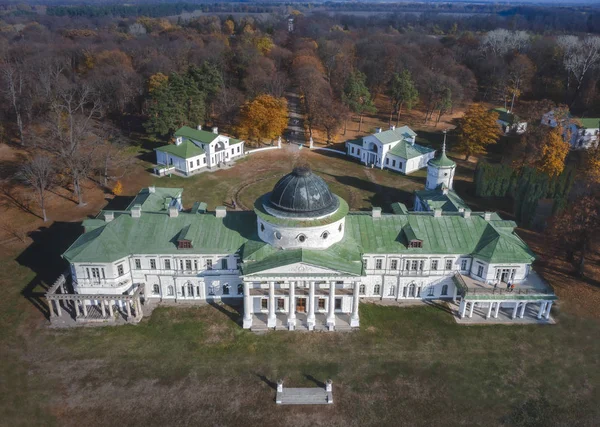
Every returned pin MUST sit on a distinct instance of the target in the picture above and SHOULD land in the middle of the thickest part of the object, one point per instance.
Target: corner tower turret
(440, 170)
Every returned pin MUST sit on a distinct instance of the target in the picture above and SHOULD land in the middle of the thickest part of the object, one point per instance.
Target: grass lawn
(196, 366)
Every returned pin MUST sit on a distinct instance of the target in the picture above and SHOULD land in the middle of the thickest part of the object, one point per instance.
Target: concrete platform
(304, 396)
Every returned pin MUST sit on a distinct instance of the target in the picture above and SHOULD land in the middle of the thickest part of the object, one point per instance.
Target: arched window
(362, 289)
(156, 289)
(225, 289)
(411, 290)
(240, 289)
(392, 292)
(377, 289)
(445, 290)
(190, 290)
(170, 290)
(301, 238)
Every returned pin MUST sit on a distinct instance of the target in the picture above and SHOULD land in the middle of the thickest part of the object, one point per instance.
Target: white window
(394, 264)
(225, 289)
(155, 289)
(434, 264)
(96, 273)
(365, 263)
(188, 264)
(263, 304)
(167, 264)
(414, 265)
(391, 292)
(448, 264)
(377, 289)
(209, 264)
(153, 264)
(378, 263)
(120, 270)
(361, 289)
(195, 264)
(224, 264)
(240, 289)
(191, 165)
(430, 294)
(463, 264)
(480, 270)
(170, 290)
(138, 264)
(445, 290)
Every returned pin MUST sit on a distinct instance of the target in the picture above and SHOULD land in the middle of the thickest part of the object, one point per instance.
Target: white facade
(378, 150)
(582, 136)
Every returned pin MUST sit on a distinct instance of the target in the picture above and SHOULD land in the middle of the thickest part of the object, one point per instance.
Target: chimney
(466, 213)
(487, 216)
(215, 130)
(437, 212)
(377, 130)
(199, 127)
(136, 211)
(376, 212)
(109, 216)
(220, 212)
(173, 212)
(178, 140)
(393, 127)
(152, 189)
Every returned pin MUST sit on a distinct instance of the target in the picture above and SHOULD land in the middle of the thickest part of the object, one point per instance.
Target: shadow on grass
(314, 380)
(43, 257)
(267, 381)
(440, 305)
(231, 309)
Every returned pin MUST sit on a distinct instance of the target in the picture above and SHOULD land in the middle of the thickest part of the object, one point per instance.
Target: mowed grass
(406, 366)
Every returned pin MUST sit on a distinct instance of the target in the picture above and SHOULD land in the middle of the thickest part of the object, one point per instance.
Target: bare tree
(38, 174)
(579, 57)
(500, 42)
(113, 161)
(14, 85)
(73, 135)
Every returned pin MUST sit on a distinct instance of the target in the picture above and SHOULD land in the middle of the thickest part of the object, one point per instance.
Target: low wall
(256, 150)
(330, 149)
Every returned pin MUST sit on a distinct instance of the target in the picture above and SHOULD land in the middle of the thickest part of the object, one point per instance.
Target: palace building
(300, 260)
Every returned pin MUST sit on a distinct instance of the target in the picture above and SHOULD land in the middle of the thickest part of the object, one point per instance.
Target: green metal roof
(186, 150)
(156, 201)
(393, 135)
(203, 136)
(442, 161)
(590, 123)
(406, 150)
(491, 240)
(505, 116)
(436, 199)
(355, 142)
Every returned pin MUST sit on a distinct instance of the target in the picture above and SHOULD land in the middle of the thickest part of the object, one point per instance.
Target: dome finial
(444, 144)
(302, 169)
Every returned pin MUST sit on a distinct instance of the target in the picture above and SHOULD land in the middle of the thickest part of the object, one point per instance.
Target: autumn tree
(357, 96)
(519, 74)
(577, 227)
(263, 117)
(553, 153)
(592, 164)
(402, 92)
(38, 174)
(118, 188)
(477, 129)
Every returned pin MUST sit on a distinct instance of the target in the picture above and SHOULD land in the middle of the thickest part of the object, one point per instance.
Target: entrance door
(505, 276)
(301, 305)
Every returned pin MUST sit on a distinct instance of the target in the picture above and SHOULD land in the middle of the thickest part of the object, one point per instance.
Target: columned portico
(331, 312)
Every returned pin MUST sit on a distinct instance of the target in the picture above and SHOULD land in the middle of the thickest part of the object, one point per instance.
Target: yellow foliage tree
(118, 188)
(156, 80)
(228, 27)
(592, 164)
(264, 44)
(263, 117)
(553, 153)
(478, 129)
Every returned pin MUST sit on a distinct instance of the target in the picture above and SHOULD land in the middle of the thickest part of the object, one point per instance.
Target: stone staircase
(304, 396)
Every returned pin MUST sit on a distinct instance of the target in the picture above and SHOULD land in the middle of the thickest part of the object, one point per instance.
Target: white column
(58, 310)
(247, 306)
(311, 306)
(139, 312)
(103, 308)
(462, 308)
(128, 309)
(471, 310)
(292, 307)
(84, 306)
(522, 313)
(354, 319)
(489, 313)
(542, 309)
(514, 313)
(497, 309)
(51, 308)
(272, 320)
(110, 309)
(455, 293)
(548, 310)
(77, 312)
(331, 312)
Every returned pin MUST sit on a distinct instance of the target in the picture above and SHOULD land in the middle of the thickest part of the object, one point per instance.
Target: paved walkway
(294, 133)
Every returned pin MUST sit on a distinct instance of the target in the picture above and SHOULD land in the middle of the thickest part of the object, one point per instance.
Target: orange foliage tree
(263, 117)
(553, 153)
(118, 188)
(478, 129)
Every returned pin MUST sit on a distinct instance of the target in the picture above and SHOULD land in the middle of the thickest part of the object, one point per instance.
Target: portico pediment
(297, 268)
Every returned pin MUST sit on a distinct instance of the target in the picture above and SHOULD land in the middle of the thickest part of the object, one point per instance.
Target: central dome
(303, 194)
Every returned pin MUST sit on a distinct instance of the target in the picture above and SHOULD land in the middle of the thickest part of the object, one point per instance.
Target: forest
(78, 84)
